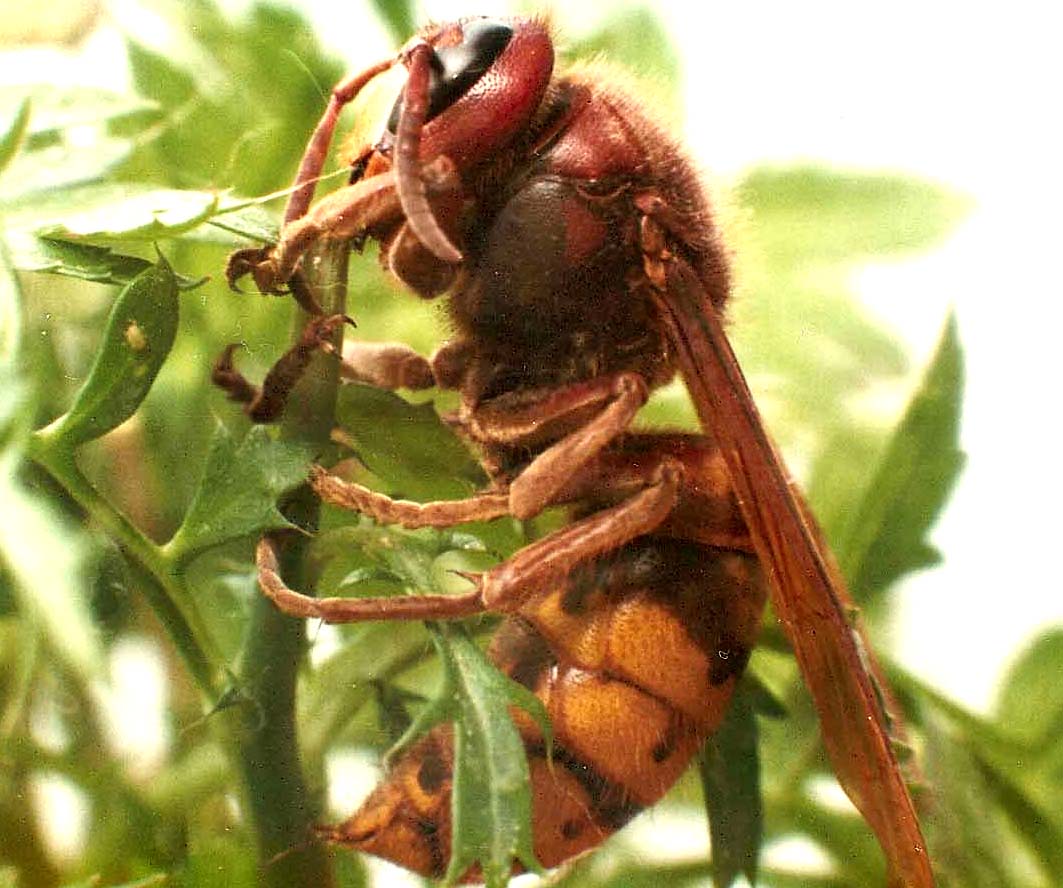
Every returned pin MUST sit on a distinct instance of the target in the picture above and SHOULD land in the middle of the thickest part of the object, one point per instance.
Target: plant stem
(281, 806)
(164, 590)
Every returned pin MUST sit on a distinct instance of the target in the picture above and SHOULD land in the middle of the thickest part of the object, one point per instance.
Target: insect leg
(538, 485)
(507, 585)
(342, 215)
(317, 148)
(353, 610)
(503, 588)
(266, 404)
(446, 513)
(386, 365)
(393, 365)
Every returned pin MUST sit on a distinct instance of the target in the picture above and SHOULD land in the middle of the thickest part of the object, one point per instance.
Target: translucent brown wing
(808, 594)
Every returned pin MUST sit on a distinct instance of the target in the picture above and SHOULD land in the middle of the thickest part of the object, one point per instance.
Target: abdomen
(635, 657)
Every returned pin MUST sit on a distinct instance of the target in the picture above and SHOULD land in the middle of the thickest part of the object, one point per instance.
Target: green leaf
(842, 834)
(158, 76)
(58, 167)
(405, 555)
(221, 860)
(1030, 703)
(155, 881)
(250, 221)
(11, 139)
(921, 701)
(350, 871)
(730, 778)
(343, 566)
(55, 110)
(75, 135)
(108, 213)
(808, 215)
(339, 687)
(238, 493)
(139, 334)
(407, 446)
(638, 874)
(887, 537)
(491, 803)
(247, 92)
(369, 559)
(12, 385)
(83, 261)
(812, 354)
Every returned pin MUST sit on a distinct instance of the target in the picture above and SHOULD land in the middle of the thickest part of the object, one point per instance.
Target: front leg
(266, 403)
(345, 214)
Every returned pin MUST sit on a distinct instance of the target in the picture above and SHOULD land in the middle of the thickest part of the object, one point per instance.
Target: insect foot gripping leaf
(583, 269)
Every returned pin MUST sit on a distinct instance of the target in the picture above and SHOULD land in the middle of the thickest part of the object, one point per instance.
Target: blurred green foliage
(91, 181)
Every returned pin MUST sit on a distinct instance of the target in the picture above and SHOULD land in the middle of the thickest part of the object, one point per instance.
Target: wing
(808, 593)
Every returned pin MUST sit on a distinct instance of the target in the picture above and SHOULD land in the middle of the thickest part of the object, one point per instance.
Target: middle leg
(612, 402)
(502, 588)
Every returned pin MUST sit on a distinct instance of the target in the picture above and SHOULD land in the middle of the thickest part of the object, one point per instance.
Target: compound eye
(456, 68)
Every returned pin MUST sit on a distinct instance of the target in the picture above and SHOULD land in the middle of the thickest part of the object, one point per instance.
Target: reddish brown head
(487, 79)
(472, 86)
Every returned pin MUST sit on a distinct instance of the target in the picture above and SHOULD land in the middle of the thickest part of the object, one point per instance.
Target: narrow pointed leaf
(344, 682)
(136, 341)
(34, 175)
(75, 135)
(45, 558)
(635, 36)
(13, 394)
(85, 262)
(156, 881)
(398, 16)
(729, 765)
(887, 537)
(1031, 695)
(1040, 829)
(491, 804)
(55, 109)
(968, 837)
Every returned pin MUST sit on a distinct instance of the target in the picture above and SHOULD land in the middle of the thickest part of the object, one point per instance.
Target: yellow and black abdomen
(634, 655)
